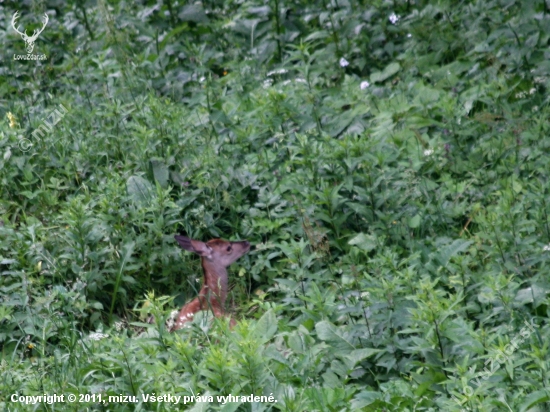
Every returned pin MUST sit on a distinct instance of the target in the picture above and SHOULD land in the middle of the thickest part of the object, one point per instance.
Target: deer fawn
(216, 255)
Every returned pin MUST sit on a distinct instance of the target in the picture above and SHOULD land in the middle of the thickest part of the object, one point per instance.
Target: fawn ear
(196, 246)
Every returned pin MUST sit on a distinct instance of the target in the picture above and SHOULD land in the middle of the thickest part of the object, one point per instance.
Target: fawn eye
(229, 248)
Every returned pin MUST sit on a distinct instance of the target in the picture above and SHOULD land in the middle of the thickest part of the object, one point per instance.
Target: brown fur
(216, 255)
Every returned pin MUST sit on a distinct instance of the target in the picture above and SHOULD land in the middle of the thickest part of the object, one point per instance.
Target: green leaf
(296, 342)
(365, 398)
(358, 355)
(194, 13)
(364, 242)
(414, 221)
(173, 33)
(30, 195)
(390, 70)
(160, 172)
(529, 294)
(535, 398)
(451, 250)
(323, 34)
(139, 189)
(328, 332)
(266, 327)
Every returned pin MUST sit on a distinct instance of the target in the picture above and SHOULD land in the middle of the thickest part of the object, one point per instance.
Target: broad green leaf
(531, 293)
(358, 355)
(414, 221)
(451, 250)
(365, 398)
(194, 13)
(160, 172)
(533, 399)
(139, 189)
(266, 326)
(390, 70)
(364, 242)
(328, 332)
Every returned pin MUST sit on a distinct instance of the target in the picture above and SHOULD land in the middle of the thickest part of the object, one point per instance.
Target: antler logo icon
(29, 40)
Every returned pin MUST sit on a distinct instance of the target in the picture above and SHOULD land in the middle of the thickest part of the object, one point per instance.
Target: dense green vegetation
(388, 160)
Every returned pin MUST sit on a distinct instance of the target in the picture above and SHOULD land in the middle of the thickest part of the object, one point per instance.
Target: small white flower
(394, 18)
(278, 71)
(267, 83)
(343, 62)
(97, 336)
(202, 79)
(119, 326)
(409, 35)
(300, 80)
(364, 85)
(532, 91)
(546, 248)
(428, 152)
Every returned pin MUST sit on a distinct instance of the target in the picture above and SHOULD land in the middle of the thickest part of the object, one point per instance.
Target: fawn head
(216, 252)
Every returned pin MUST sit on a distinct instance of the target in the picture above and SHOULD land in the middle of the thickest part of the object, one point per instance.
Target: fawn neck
(215, 283)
